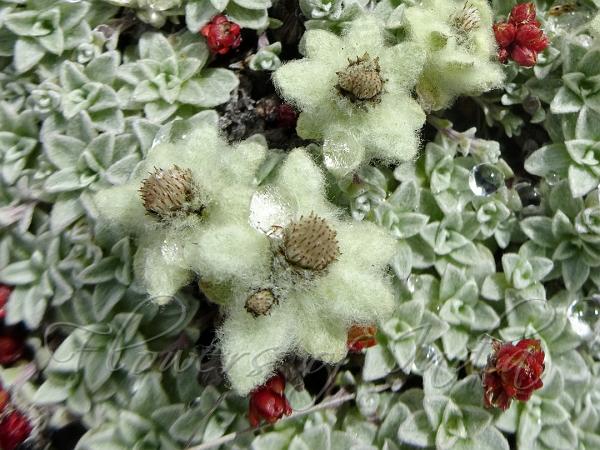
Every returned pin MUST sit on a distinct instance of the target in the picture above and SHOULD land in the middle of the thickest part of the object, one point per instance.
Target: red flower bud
(5, 292)
(14, 430)
(268, 402)
(361, 337)
(286, 116)
(221, 34)
(505, 34)
(503, 55)
(531, 37)
(523, 56)
(11, 349)
(523, 13)
(513, 372)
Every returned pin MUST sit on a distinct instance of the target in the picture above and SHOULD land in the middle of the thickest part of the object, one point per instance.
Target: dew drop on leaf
(427, 356)
(485, 179)
(271, 210)
(584, 316)
(552, 178)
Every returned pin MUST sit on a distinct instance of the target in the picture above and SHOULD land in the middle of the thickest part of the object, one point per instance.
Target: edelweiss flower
(354, 93)
(323, 275)
(180, 189)
(460, 47)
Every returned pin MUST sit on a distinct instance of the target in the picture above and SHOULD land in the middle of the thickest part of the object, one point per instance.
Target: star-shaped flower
(354, 93)
(185, 185)
(459, 42)
(323, 276)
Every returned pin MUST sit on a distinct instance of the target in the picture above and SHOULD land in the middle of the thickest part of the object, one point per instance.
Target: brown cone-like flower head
(167, 192)
(260, 303)
(310, 243)
(361, 80)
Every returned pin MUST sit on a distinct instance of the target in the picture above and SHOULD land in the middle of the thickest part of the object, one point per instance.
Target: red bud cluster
(513, 372)
(268, 402)
(15, 428)
(521, 38)
(221, 34)
(12, 345)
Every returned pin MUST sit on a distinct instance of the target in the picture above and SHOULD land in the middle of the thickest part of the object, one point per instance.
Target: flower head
(361, 337)
(268, 402)
(14, 430)
(521, 37)
(513, 372)
(523, 13)
(221, 34)
(354, 93)
(310, 277)
(459, 45)
(182, 188)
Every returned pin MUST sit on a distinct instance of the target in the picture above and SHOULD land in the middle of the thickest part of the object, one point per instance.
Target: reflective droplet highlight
(485, 179)
(584, 316)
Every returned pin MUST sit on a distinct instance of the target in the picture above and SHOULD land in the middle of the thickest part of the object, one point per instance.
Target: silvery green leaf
(99, 272)
(96, 370)
(416, 430)
(53, 390)
(582, 180)
(155, 46)
(211, 90)
(455, 343)
(65, 180)
(198, 13)
(159, 111)
(105, 297)
(566, 101)
(19, 273)
(219, 4)
(574, 272)
(248, 18)
(378, 363)
(494, 286)
(539, 230)
(559, 437)
(254, 4)
(489, 439)
(27, 54)
(398, 413)
(190, 425)
(103, 68)
(63, 151)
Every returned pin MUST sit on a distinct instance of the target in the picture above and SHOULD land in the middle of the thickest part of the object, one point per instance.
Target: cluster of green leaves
(247, 13)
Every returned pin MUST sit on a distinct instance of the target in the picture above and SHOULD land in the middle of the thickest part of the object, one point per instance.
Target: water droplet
(485, 179)
(171, 252)
(584, 40)
(172, 132)
(413, 283)
(367, 402)
(271, 211)
(552, 178)
(427, 356)
(529, 194)
(584, 316)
